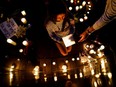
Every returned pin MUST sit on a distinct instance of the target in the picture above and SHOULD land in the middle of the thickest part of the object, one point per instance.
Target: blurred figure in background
(70, 84)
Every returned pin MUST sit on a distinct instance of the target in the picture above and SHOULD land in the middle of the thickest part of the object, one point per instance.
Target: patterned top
(55, 30)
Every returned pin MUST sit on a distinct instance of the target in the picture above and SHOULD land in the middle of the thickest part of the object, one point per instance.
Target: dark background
(42, 46)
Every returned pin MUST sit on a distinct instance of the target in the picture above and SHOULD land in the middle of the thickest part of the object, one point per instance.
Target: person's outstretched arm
(108, 15)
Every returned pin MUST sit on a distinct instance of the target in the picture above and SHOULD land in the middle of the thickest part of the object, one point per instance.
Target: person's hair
(57, 7)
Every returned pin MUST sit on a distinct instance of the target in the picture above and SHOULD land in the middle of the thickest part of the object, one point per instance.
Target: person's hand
(85, 34)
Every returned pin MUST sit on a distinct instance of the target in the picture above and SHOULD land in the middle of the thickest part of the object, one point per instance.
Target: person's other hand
(86, 33)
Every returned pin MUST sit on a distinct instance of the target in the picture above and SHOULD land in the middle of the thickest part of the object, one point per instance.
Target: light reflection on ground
(85, 70)
(83, 76)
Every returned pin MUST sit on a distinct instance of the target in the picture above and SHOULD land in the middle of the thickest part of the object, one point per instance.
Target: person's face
(60, 17)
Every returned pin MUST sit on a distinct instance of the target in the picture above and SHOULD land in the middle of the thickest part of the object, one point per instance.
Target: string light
(80, 9)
